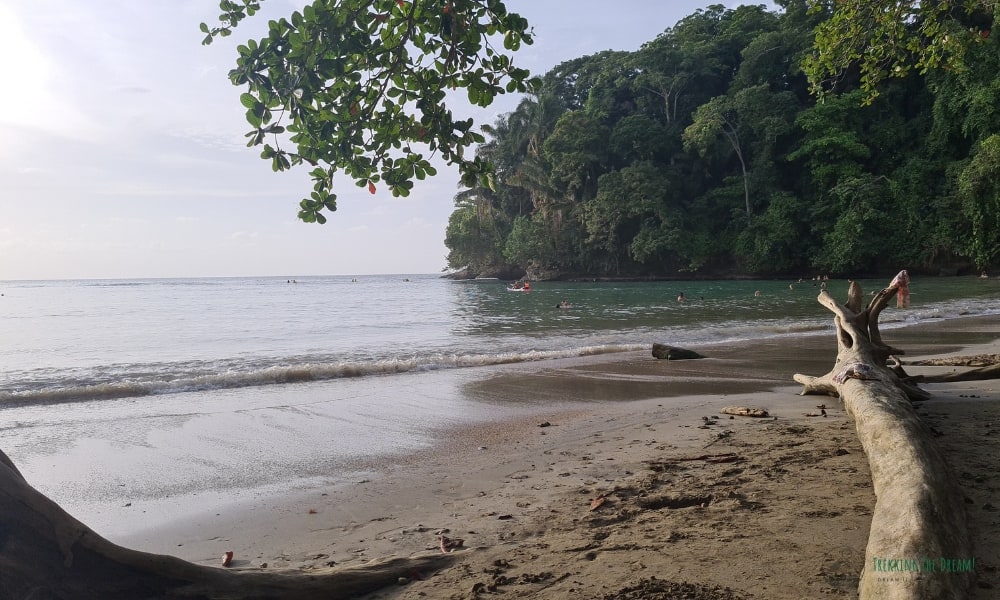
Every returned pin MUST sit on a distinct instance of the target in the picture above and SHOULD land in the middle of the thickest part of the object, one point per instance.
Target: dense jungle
(706, 154)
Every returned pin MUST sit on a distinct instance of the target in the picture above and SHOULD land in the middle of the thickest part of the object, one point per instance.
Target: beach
(689, 501)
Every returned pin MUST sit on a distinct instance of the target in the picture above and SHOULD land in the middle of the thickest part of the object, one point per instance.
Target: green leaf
(362, 95)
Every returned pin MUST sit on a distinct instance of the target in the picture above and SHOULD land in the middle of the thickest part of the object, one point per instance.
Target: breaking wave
(187, 381)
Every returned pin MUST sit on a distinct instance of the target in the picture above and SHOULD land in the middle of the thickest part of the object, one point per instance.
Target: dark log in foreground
(46, 554)
(663, 351)
(919, 519)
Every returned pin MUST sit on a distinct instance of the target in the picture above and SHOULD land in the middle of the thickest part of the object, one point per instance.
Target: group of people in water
(818, 281)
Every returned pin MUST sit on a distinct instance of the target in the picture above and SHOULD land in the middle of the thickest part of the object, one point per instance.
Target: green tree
(533, 245)
(650, 162)
(638, 137)
(577, 151)
(857, 241)
(750, 114)
(832, 148)
(359, 87)
(979, 189)
(891, 38)
(718, 117)
(472, 242)
(777, 242)
(625, 201)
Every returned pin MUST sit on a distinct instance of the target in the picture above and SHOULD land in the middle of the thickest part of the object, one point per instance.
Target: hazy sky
(122, 150)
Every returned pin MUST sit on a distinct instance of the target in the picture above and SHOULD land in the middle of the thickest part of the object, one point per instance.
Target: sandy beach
(690, 502)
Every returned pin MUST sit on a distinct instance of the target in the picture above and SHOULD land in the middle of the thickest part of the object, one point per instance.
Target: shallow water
(170, 396)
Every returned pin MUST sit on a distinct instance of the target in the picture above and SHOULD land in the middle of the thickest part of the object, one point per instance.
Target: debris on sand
(744, 411)
(449, 544)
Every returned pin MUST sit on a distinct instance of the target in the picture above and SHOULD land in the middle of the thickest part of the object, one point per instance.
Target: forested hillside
(704, 154)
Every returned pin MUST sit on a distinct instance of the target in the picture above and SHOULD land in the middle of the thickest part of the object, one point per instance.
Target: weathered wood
(980, 374)
(988, 367)
(663, 351)
(919, 510)
(46, 554)
(976, 360)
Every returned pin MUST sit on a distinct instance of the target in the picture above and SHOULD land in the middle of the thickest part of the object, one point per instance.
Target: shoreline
(789, 515)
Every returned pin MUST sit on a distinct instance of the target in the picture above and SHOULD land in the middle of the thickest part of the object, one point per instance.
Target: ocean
(181, 393)
(72, 341)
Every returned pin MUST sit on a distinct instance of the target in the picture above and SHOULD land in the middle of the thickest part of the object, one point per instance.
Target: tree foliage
(705, 153)
(358, 87)
(883, 39)
(979, 189)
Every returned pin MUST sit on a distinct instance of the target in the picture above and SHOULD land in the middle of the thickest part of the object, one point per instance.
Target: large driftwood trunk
(919, 521)
(46, 554)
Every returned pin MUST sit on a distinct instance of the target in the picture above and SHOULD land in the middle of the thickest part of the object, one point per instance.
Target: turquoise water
(67, 341)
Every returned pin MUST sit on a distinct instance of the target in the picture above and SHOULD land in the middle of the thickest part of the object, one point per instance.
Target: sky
(122, 152)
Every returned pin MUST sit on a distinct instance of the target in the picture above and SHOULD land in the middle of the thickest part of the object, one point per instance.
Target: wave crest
(288, 374)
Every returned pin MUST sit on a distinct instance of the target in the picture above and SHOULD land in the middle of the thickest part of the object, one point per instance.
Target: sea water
(174, 393)
(67, 341)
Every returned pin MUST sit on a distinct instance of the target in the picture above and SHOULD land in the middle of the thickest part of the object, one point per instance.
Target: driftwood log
(980, 374)
(919, 522)
(985, 366)
(46, 554)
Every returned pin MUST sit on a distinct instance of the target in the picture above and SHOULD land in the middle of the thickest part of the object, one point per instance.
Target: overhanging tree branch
(362, 84)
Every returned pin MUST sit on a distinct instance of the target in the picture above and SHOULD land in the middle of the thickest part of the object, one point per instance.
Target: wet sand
(694, 503)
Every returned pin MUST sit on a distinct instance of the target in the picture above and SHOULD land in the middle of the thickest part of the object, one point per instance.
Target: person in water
(563, 304)
(680, 297)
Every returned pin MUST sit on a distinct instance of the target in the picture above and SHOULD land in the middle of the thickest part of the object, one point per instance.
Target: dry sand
(697, 505)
